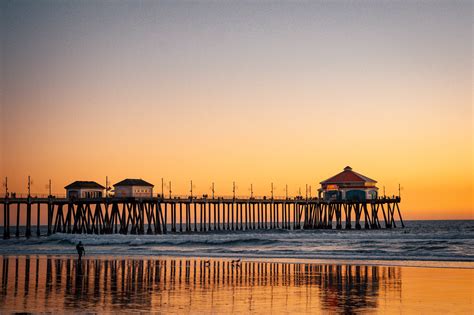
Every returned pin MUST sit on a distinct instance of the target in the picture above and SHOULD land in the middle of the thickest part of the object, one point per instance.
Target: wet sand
(62, 284)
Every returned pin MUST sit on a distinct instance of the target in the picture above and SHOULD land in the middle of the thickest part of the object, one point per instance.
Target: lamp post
(107, 188)
(30, 182)
(162, 188)
(191, 189)
(6, 187)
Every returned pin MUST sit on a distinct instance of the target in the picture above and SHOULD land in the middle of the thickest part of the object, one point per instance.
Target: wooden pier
(191, 215)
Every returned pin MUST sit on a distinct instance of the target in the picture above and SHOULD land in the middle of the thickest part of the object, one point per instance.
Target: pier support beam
(17, 230)
(28, 218)
(400, 215)
(50, 216)
(38, 219)
(348, 211)
(6, 219)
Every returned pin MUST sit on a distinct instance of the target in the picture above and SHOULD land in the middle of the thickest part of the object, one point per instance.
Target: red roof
(348, 176)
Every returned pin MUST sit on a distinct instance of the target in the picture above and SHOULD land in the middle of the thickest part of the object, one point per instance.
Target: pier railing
(158, 215)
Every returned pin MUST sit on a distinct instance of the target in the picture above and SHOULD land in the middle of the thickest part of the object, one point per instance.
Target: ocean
(426, 267)
(420, 242)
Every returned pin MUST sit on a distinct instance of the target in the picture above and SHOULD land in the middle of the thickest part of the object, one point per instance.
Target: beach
(109, 284)
(427, 267)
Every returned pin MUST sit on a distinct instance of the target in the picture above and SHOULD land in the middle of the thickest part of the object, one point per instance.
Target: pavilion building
(348, 185)
(130, 187)
(84, 189)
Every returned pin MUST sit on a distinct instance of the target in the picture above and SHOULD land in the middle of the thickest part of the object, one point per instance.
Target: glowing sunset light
(279, 93)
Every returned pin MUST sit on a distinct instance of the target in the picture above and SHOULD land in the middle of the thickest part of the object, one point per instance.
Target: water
(280, 271)
(419, 241)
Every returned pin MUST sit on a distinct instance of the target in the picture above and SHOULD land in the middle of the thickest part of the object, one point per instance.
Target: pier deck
(158, 215)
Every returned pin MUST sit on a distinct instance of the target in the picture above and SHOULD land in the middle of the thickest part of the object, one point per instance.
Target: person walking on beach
(80, 250)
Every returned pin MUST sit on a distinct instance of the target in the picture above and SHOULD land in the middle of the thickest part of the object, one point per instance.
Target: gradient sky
(256, 92)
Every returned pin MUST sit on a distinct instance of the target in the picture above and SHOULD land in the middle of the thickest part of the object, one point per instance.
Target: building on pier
(84, 189)
(131, 187)
(348, 185)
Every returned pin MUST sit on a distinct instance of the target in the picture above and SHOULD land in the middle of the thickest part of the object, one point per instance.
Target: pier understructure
(158, 215)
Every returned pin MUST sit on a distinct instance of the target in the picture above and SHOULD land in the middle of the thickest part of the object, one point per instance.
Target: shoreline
(281, 260)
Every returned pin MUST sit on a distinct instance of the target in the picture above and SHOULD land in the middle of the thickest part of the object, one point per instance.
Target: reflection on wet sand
(184, 285)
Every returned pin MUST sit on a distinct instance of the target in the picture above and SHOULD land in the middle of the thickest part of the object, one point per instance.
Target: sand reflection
(187, 285)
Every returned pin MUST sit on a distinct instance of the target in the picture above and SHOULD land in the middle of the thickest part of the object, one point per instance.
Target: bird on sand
(235, 263)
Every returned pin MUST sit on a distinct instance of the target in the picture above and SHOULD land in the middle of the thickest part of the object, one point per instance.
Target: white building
(84, 189)
(137, 188)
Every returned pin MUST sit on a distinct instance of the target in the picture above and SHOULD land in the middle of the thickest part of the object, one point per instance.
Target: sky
(255, 92)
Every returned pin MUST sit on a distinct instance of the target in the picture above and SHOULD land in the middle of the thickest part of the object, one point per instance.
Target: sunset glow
(257, 94)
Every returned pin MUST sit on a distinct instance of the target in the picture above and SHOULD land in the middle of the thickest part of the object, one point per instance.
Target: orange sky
(253, 93)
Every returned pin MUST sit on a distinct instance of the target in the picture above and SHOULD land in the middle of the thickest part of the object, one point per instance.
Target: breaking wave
(420, 241)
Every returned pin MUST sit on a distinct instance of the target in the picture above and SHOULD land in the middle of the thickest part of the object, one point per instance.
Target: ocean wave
(103, 240)
(435, 241)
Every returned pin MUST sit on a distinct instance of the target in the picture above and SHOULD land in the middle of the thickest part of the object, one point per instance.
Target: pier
(158, 215)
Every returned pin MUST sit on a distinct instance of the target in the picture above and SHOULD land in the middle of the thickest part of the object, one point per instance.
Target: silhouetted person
(80, 250)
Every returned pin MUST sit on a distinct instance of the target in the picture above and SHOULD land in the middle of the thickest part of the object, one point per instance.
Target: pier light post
(29, 185)
(286, 191)
(162, 188)
(191, 190)
(272, 190)
(107, 188)
(30, 182)
(170, 189)
(212, 188)
(306, 196)
(251, 190)
(48, 186)
(233, 190)
(5, 184)
(309, 191)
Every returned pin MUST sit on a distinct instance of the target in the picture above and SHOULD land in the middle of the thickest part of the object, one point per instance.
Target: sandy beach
(108, 284)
